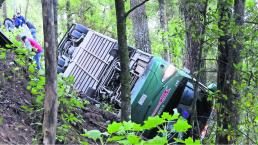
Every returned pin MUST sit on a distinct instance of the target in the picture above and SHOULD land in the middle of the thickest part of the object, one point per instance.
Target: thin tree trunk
(4, 10)
(26, 10)
(68, 13)
(14, 8)
(140, 27)
(50, 102)
(124, 60)
(164, 28)
(55, 6)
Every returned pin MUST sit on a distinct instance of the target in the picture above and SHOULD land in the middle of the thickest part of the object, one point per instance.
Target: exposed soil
(16, 125)
(13, 127)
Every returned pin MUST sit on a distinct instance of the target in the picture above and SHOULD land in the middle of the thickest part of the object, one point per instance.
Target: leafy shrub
(131, 133)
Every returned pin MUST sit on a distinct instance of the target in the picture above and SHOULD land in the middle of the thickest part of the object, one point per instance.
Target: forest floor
(17, 125)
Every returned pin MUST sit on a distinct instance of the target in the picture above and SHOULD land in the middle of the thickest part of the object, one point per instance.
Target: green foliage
(181, 125)
(1, 120)
(188, 141)
(131, 133)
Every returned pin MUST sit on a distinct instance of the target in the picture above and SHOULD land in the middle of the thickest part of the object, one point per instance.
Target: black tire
(81, 28)
(76, 34)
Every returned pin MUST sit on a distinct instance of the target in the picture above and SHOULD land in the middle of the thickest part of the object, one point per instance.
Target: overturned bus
(156, 85)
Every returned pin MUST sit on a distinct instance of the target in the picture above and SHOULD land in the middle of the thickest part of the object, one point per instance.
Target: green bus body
(150, 95)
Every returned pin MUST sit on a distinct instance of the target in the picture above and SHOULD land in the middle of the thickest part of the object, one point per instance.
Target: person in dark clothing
(9, 25)
(21, 18)
(16, 21)
(32, 29)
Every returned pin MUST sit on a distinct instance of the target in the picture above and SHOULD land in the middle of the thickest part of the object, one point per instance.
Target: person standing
(16, 21)
(35, 46)
(21, 18)
(32, 29)
(9, 25)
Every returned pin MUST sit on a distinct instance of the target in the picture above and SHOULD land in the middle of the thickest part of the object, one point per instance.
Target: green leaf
(137, 127)
(93, 134)
(1, 120)
(2, 55)
(181, 125)
(153, 122)
(31, 69)
(116, 138)
(131, 126)
(250, 3)
(179, 140)
(133, 139)
(168, 117)
(256, 119)
(114, 127)
(189, 141)
(157, 140)
(39, 99)
(84, 143)
(26, 108)
(125, 142)
(34, 91)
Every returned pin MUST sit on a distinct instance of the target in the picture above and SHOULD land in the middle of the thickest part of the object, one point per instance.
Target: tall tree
(124, 60)
(4, 10)
(227, 114)
(239, 11)
(27, 7)
(194, 12)
(121, 16)
(68, 13)
(164, 27)
(55, 7)
(50, 102)
(140, 27)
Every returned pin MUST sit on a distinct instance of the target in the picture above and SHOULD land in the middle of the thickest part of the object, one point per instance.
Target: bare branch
(132, 9)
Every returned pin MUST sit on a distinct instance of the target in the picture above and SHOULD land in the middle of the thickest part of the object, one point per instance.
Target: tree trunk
(164, 28)
(140, 27)
(124, 61)
(195, 28)
(55, 6)
(239, 11)
(68, 13)
(50, 102)
(226, 110)
(4, 9)
(26, 10)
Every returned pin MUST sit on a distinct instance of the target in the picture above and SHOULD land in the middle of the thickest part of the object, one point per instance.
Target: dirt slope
(16, 125)
(14, 129)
